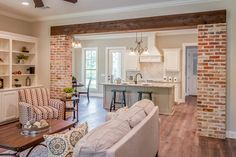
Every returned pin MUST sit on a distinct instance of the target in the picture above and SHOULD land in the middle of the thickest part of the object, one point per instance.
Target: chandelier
(139, 49)
(76, 43)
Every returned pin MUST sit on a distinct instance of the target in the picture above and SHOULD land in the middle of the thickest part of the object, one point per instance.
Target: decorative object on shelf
(1, 83)
(31, 70)
(76, 43)
(139, 49)
(28, 81)
(69, 92)
(33, 127)
(24, 49)
(22, 58)
(17, 72)
(1, 60)
(16, 83)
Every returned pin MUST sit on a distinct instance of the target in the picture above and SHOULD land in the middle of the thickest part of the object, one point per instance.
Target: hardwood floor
(177, 133)
(179, 139)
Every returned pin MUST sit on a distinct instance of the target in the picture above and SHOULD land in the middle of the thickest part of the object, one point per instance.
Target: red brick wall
(60, 64)
(211, 100)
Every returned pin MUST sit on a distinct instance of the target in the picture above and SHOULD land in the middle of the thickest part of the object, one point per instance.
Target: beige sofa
(140, 141)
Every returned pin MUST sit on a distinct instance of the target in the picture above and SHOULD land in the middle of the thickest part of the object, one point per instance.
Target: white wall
(15, 26)
(42, 30)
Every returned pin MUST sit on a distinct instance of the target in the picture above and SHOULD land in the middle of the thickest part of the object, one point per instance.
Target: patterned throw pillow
(62, 145)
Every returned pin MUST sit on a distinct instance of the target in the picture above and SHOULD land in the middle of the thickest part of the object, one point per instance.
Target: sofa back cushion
(134, 116)
(146, 104)
(98, 140)
(35, 96)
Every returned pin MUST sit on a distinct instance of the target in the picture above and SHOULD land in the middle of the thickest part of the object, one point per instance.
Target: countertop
(160, 85)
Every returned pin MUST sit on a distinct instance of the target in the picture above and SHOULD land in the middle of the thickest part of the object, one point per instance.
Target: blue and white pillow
(62, 145)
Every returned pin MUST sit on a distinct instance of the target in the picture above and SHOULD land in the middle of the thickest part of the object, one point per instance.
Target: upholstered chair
(35, 103)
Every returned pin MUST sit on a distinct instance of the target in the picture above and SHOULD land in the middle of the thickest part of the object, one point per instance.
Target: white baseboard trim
(231, 134)
(181, 101)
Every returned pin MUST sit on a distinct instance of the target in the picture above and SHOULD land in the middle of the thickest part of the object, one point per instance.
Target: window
(90, 67)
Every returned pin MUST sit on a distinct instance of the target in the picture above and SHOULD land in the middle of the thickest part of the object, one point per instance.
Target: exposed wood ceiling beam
(71, 1)
(178, 21)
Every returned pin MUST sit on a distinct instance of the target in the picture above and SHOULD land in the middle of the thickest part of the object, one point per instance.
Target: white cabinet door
(9, 105)
(172, 59)
(131, 62)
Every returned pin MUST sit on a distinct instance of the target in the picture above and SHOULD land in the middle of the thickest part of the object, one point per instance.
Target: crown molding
(133, 35)
(110, 11)
(108, 36)
(16, 16)
(177, 32)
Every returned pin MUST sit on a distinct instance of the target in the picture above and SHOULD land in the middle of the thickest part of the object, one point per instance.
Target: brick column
(60, 64)
(211, 100)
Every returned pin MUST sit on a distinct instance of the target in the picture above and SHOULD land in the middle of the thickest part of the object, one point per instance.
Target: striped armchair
(36, 104)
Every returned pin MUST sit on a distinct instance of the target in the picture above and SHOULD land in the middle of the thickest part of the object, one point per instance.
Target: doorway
(191, 70)
(115, 62)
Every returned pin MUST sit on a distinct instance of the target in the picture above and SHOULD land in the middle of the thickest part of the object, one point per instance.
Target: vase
(21, 61)
(68, 95)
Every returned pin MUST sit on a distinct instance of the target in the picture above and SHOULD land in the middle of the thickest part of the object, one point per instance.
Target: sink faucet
(136, 77)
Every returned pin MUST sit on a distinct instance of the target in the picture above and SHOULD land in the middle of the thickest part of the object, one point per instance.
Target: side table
(74, 108)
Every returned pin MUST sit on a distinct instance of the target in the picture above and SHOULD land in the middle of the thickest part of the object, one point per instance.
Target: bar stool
(113, 100)
(140, 95)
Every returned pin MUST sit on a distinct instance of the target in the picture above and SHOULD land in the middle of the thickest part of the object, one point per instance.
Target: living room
(45, 36)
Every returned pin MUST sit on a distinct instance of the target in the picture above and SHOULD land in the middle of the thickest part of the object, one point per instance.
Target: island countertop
(161, 85)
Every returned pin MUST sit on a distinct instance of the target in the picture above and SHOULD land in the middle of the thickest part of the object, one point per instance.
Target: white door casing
(115, 67)
(184, 80)
(191, 70)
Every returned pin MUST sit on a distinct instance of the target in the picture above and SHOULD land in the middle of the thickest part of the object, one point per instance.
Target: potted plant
(69, 92)
(21, 58)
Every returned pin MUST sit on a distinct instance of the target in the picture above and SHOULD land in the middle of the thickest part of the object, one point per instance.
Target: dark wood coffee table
(12, 139)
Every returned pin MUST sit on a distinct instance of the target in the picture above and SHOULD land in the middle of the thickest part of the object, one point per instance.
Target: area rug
(38, 151)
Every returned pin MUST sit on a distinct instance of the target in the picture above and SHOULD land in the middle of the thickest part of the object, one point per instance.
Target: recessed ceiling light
(25, 3)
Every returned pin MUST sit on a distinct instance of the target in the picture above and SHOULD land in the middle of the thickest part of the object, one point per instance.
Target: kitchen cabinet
(172, 59)
(132, 62)
(8, 106)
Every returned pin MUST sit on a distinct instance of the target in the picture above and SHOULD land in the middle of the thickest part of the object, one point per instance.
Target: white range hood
(154, 54)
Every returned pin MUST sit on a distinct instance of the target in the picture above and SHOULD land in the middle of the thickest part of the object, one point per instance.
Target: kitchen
(163, 68)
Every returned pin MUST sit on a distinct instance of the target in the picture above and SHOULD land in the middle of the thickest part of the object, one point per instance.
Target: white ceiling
(62, 8)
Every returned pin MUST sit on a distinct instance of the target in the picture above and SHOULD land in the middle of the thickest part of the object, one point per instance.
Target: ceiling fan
(39, 3)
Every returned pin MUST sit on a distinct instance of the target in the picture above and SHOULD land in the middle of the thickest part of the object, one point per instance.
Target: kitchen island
(162, 94)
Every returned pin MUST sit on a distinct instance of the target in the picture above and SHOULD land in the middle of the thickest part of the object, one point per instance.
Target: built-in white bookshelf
(13, 71)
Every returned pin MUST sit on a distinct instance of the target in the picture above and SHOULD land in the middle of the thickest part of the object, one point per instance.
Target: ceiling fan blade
(38, 3)
(71, 1)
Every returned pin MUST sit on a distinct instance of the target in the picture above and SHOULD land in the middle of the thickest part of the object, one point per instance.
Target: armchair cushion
(59, 105)
(26, 112)
(45, 112)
